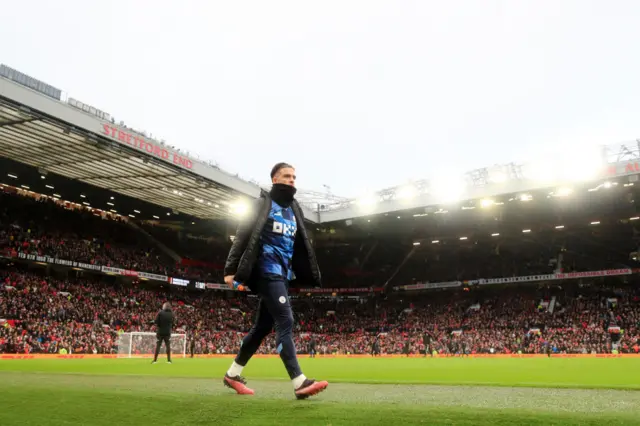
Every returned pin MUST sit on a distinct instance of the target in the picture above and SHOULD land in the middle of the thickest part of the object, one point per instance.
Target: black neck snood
(282, 194)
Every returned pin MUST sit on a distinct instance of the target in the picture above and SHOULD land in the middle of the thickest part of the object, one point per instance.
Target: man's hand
(229, 281)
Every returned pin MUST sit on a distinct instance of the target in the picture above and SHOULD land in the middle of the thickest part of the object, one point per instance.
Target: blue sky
(359, 95)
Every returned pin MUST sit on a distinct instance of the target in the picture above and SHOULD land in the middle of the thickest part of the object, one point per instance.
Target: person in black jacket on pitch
(312, 347)
(164, 322)
(271, 248)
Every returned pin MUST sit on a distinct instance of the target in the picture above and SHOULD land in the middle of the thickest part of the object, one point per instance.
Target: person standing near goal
(270, 249)
(164, 323)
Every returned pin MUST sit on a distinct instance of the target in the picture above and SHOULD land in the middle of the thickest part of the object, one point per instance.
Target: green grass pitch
(362, 391)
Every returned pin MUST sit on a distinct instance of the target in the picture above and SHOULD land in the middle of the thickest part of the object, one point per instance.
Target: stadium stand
(202, 255)
(46, 227)
(44, 314)
(73, 276)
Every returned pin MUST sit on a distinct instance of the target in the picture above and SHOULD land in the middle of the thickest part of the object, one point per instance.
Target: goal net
(143, 345)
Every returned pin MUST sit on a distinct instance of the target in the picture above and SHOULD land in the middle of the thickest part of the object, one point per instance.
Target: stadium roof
(63, 136)
(56, 137)
(552, 172)
(24, 177)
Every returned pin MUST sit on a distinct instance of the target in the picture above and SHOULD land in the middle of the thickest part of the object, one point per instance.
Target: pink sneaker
(309, 388)
(238, 384)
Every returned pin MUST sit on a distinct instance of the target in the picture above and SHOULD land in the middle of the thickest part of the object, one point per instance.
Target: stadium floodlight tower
(315, 201)
(137, 344)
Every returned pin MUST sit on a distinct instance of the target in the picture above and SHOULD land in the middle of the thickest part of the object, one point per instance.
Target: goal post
(137, 344)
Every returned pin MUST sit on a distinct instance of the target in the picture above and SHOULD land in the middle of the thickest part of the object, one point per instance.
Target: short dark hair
(279, 166)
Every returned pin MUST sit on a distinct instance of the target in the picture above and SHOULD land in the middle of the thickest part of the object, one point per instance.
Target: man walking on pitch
(164, 323)
(270, 249)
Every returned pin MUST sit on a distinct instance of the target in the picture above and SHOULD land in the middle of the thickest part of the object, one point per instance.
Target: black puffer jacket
(246, 247)
(164, 321)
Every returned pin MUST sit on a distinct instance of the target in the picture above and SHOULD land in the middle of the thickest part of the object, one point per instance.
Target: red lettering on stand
(632, 168)
(145, 146)
(181, 161)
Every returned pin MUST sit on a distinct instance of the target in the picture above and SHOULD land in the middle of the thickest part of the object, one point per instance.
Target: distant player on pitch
(271, 247)
(164, 323)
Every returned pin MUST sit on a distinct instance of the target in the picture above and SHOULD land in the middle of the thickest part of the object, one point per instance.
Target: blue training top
(277, 239)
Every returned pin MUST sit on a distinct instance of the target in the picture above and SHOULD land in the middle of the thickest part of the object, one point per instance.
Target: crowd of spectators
(376, 261)
(43, 314)
(46, 227)
(546, 252)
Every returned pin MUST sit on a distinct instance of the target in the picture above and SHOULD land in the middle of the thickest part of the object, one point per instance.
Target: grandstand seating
(44, 314)
(29, 224)
(45, 227)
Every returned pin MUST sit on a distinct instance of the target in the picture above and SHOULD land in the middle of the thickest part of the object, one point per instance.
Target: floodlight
(240, 208)
(407, 192)
(448, 190)
(586, 164)
(541, 171)
(367, 201)
(497, 175)
(563, 192)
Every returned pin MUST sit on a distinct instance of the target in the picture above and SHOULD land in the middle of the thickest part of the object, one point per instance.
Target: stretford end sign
(621, 168)
(143, 145)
